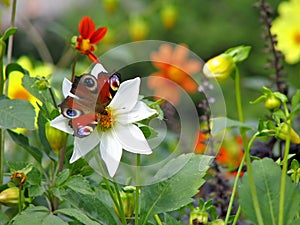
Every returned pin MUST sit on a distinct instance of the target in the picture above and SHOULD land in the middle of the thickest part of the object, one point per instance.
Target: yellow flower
(287, 29)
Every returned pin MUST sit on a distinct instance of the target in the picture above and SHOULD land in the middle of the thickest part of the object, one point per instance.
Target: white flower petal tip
(98, 68)
(82, 146)
(66, 87)
(62, 124)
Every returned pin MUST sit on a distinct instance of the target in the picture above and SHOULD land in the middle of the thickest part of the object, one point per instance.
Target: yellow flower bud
(10, 197)
(282, 133)
(56, 138)
(138, 29)
(198, 217)
(219, 67)
(110, 5)
(169, 16)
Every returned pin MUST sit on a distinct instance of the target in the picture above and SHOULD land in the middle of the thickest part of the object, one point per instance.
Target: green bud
(138, 28)
(219, 67)
(127, 198)
(10, 197)
(198, 216)
(41, 83)
(56, 138)
(218, 222)
(282, 133)
(272, 102)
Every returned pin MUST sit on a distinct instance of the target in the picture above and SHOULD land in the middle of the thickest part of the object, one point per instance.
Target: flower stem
(236, 216)
(157, 219)
(283, 174)
(110, 191)
(73, 67)
(138, 188)
(52, 97)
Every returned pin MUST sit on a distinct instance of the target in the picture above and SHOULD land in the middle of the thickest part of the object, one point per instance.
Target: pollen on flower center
(85, 45)
(106, 120)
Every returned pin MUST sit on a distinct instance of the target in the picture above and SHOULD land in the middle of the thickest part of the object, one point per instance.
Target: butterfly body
(90, 96)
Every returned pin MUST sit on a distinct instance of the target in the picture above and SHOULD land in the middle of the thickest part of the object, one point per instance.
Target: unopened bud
(138, 29)
(219, 67)
(282, 133)
(56, 138)
(10, 197)
(127, 198)
(169, 16)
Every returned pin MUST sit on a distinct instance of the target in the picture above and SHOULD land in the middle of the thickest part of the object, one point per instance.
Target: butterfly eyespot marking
(114, 82)
(85, 130)
(90, 82)
(71, 113)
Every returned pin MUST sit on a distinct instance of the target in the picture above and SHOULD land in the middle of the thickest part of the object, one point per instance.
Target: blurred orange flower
(175, 66)
(231, 153)
(88, 37)
(202, 142)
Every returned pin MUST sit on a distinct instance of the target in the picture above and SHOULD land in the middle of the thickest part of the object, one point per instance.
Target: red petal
(93, 57)
(86, 27)
(98, 35)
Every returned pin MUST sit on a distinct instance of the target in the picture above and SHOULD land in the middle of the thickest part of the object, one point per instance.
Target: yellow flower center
(106, 120)
(297, 37)
(176, 74)
(85, 45)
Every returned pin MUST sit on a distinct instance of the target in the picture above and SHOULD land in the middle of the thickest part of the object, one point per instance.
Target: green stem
(121, 207)
(157, 219)
(236, 216)
(283, 174)
(137, 193)
(74, 66)
(110, 191)
(251, 182)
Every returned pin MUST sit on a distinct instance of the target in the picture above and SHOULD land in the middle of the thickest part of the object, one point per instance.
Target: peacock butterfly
(89, 96)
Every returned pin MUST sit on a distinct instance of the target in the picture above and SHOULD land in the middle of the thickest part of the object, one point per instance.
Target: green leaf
(79, 184)
(221, 123)
(77, 215)
(35, 190)
(239, 53)
(21, 140)
(267, 177)
(14, 67)
(16, 113)
(38, 215)
(62, 177)
(164, 196)
(10, 31)
(3, 218)
(93, 206)
(171, 220)
(296, 100)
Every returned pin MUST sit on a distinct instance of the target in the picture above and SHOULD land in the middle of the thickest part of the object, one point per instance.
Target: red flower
(88, 37)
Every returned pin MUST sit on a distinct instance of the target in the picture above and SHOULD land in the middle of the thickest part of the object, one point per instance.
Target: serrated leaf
(164, 196)
(93, 206)
(35, 190)
(21, 140)
(79, 184)
(38, 215)
(16, 113)
(62, 177)
(221, 123)
(267, 177)
(77, 215)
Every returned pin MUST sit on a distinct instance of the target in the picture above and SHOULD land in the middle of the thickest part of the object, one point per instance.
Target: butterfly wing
(91, 94)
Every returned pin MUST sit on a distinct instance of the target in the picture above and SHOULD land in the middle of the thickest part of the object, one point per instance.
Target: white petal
(126, 97)
(83, 145)
(62, 123)
(111, 152)
(98, 68)
(139, 112)
(66, 87)
(131, 138)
